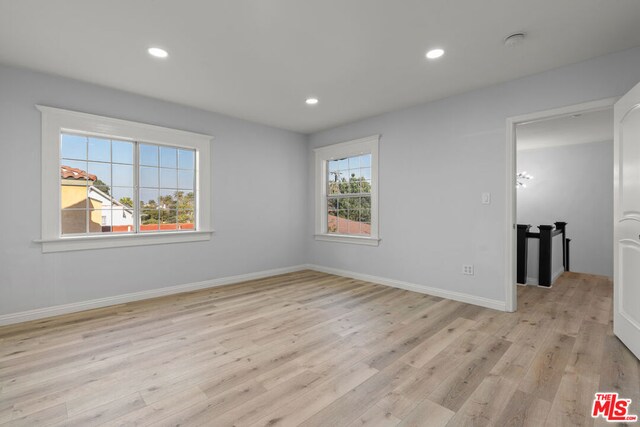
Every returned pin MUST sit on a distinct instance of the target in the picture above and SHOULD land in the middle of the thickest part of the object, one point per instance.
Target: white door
(626, 258)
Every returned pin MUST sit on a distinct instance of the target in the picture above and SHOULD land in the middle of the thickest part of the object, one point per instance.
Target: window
(109, 182)
(346, 192)
(101, 179)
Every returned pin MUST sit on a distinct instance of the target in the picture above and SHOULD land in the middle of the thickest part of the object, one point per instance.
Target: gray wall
(573, 184)
(435, 161)
(258, 225)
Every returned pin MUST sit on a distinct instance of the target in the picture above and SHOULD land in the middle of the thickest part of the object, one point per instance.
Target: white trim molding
(442, 293)
(41, 313)
(57, 120)
(367, 145)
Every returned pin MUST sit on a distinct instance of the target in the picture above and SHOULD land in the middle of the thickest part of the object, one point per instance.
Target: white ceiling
(584, 129)
(260, 59)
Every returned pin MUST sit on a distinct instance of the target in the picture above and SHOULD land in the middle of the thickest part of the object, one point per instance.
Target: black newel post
(562, 226)
(523, 253)
(546, 237)
(567, 265)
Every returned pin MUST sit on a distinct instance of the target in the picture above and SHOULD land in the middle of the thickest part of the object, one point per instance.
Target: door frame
(511, 302)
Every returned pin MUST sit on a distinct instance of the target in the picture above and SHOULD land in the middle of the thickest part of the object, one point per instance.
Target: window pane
(186, 159)
(73, 147)
(122, 175)
(122, 195)
(343, 222)
(185, 179)
(168, 219)
(352, 186)
(365, 173)
(365, 215)
(365, 161)
(353, 227)
(149, 177)
(96, 217)
(101, 172)
(332, 203)
(333, 165)
(332, 220)
(343, 164)
(122, 220)
(73, 190)
(149, 219)
(167, 198)
(168, 157)
(186, 220)
(168, 178)
(68, 166)
(354, 162)
(185, 200)
(74, 221)
(122, 152)
(149, 198)
(99, 149)
(148, 155)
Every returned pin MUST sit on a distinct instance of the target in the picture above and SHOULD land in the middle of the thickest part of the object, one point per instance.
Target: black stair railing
(545, 259)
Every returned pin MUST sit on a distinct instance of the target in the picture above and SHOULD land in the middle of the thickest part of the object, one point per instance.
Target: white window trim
(356, 147)
(56, 120)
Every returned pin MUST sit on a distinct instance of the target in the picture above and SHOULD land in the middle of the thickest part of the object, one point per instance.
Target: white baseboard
(534, 280)
(40, 313)
(556, 275)
(457, 296)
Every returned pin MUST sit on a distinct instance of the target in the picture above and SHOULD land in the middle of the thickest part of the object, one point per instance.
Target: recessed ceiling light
(157, 52)
(311, 101)
(435, 53)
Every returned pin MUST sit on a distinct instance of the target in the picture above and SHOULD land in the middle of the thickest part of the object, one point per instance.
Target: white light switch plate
(486, 198)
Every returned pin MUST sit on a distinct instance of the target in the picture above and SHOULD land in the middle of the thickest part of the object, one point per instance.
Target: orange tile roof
(347, 226)
(75, 173)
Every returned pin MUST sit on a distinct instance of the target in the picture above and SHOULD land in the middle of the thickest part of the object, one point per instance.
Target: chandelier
(522, 178)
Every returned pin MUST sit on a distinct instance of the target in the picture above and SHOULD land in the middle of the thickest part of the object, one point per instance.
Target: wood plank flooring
(313, 349)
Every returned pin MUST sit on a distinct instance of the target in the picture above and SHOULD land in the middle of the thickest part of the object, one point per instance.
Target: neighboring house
(115, 216)
(105, 213)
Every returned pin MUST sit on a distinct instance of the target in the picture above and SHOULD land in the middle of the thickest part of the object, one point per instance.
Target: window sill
(64, 244)
(343, 238)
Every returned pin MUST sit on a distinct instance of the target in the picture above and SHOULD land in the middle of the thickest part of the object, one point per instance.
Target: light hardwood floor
(314, 349)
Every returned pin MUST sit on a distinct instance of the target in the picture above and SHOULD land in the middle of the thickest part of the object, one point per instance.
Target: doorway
(545, 132)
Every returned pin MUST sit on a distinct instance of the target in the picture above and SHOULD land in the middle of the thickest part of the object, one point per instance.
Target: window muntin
(348, 195)
(104, 187)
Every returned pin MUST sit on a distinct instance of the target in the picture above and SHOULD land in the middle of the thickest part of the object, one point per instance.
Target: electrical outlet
(467, 270)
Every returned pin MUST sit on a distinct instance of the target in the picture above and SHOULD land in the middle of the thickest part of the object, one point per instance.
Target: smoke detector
(514, 39)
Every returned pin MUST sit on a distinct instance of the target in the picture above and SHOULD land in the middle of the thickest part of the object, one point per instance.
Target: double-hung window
(109, 182)
(347, 192)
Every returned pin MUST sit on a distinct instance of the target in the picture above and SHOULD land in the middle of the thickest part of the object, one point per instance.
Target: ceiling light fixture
(157, 52)
(435, 53)
(522, 178)
(311, 101)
